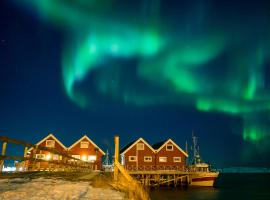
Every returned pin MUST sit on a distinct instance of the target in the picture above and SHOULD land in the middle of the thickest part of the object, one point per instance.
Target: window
(76, 156)
(84, 145)
(40, 156)
(162, 159)
(169, 147)
(147, 158)
(92, 158)
(56, 157)
(50, 143)
(140, 146)
(176, 159)
(132, 158)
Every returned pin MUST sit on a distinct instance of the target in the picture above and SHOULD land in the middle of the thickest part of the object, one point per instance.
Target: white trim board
(137, 141)
(86, 137)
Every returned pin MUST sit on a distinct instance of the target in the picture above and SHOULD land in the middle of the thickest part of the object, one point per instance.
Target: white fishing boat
(200, 172)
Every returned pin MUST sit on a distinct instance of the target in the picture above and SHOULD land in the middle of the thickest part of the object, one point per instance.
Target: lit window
(132, 158)
(84, 145)
(162, 159)
(56, 157)
(92, 158)
(140, 146)
(40, 156)
(176, 159)
(48, 157)
(50, 143)
(147, 158)
(76, 156)
(169, 147)
(84, 157)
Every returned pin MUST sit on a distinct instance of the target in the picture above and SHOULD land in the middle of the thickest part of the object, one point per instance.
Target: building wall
(57, 147)
(91, 150)
(45, 164)
(140, 159)
(170, 157)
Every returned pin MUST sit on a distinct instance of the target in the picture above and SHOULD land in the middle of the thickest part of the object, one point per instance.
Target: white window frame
(92, 158)
(146, 158)
(129, 159)
(84, 145)
(76, 156)
(169, 145)
(50, 146)
(55, 157)
(160, 159)
(175, 159)
(41, 156)
(140, 146)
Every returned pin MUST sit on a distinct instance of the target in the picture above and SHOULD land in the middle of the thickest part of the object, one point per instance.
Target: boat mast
(107, 159)
(196, 155)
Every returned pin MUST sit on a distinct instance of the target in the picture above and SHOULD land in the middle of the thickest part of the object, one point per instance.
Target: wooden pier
(159, 178)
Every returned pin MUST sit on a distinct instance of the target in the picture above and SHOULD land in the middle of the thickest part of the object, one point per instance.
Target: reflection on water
(180, 193)
(227, 187)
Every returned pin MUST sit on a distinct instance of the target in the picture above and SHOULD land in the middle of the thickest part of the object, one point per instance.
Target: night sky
(155, 69)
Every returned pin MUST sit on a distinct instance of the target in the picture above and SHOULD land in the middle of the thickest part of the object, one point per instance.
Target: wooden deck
(162, 178)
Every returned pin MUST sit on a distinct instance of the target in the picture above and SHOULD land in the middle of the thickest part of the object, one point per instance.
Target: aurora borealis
(211, 56)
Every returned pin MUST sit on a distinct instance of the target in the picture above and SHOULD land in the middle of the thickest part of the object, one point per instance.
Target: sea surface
(228, 186)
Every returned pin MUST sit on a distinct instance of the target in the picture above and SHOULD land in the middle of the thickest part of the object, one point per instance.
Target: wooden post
(116, 156)
(25, 161)
(4, 147)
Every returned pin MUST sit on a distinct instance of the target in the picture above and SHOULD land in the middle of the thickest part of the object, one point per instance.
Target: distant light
(48, 156)
(84, 157)
(9, 169)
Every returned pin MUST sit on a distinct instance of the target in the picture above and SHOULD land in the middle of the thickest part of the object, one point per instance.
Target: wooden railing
(155, 168)
(28, 163)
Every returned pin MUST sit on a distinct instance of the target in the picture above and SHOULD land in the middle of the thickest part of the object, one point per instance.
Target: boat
(200, 172)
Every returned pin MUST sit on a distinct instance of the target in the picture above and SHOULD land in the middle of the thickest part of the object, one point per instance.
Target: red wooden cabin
(169, 156)
(86, 150)
(138, 155)
(49, 141)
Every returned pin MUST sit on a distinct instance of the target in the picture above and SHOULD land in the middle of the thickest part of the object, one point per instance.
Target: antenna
(107, 159)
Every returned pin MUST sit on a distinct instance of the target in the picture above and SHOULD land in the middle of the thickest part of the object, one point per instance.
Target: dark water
(227, 187)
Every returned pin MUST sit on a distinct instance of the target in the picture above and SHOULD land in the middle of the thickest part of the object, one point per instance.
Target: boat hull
(203, 179)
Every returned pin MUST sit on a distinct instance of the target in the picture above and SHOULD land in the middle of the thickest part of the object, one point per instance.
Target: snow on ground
(53, 189)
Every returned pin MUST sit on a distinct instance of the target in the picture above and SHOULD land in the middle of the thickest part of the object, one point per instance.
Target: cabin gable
(170, 154)
(51, 142)
(140, 154)
(86, 150)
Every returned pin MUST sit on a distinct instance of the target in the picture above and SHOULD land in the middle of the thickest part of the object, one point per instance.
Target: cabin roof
(163, 144)
(158, 145)
(131, 144)
(87, 138)
(127, 146)
(47, 137)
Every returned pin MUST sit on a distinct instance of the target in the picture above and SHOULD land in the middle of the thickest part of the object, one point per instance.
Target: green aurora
(212, 65)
